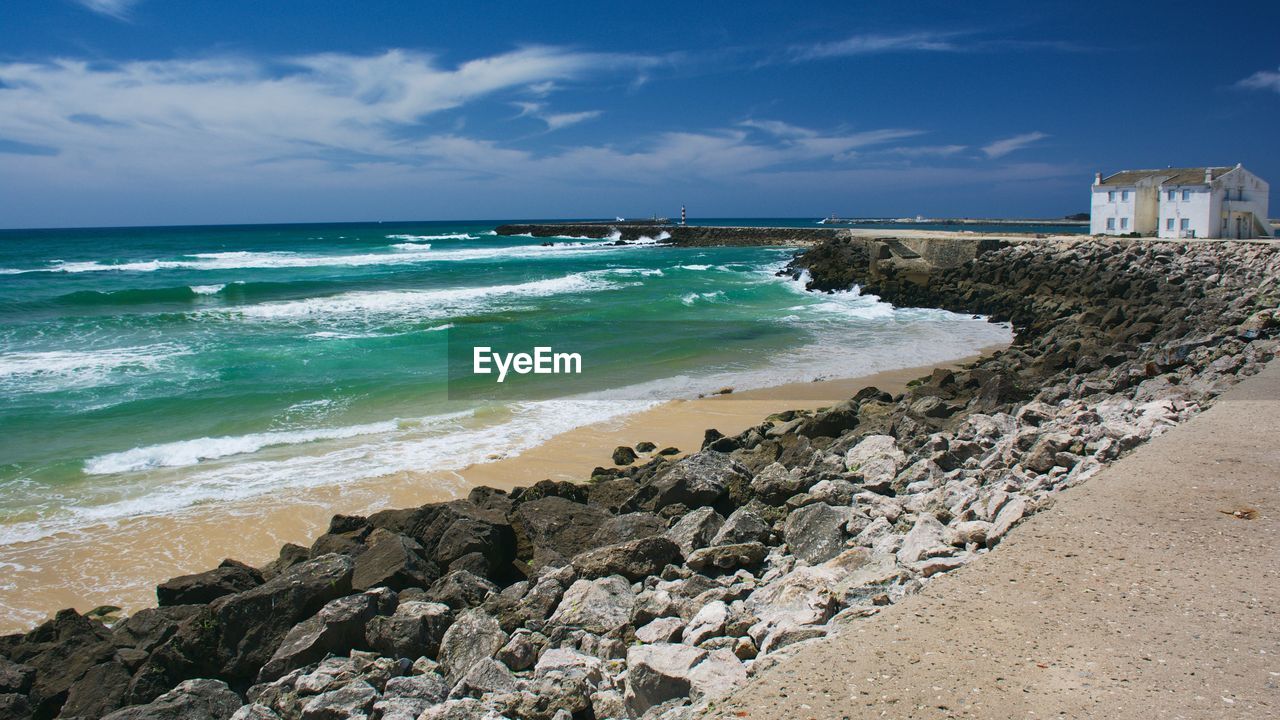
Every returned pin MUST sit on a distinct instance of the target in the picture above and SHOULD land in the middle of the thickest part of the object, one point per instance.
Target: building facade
(1205, 202)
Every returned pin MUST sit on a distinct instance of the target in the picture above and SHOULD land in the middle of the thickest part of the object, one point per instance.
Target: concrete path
(1134, 596)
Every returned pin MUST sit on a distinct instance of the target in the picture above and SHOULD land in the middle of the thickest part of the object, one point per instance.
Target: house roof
(1165, 176)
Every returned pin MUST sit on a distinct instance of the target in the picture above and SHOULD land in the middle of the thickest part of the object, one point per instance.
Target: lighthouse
(682, 214)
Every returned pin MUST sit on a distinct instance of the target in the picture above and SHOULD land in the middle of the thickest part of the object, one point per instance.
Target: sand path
(1132, 597)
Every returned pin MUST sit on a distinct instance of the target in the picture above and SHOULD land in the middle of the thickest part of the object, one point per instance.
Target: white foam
(691, 298)
(56, 370)
(446, 236)
(413, 246)
(207, 289)
(190, 452)
(419, 304)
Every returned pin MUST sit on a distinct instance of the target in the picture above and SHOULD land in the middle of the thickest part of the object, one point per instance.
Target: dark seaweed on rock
(659, 587)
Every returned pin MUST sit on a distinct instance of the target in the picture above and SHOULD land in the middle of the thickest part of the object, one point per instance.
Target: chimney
(1208, 175)
(1097, 178)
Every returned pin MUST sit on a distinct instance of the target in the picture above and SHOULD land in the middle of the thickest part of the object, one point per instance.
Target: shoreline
(128, 558)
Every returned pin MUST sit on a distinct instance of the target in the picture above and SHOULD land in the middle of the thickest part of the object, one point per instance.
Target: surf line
(543, 361)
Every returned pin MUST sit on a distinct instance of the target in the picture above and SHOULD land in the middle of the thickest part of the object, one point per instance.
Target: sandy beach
(120, 563)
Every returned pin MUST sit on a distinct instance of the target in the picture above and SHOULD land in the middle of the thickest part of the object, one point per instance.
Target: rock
(876, 458)
(562, 526)
(661, 630)
(599, 606)
(148, 628)
(611, 494)
(633, 560)
(695, 530)
(815, 533)
(970, 531)
(252, 624)
(627, 527)
(202, 588)
(60, 651)
(254, 711)
(774, 484)
(338, 628)
(698, 480)
(726, 558)
(658, 673)
(1010, 514)
(429, 687)
(789, 635)
(204, 699)
(393, 561)
(567, 662)
(14, 677)
(414, 630)
(519, 653)
(473, 637)
(709, 622)
(645, 446)
(925, 539)
(744, 525)
(460, 590)
(348, 702)
(99, 691)
(485, 676)
(14, 706)
(716, 676)
(623, 455)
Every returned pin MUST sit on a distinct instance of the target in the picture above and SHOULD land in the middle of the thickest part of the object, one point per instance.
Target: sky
(156, 112)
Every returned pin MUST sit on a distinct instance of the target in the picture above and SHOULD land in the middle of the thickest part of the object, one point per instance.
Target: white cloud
(555, 121)
(1262, 80)
(870, 44)
(115, 8)
(929, 150)
(1000, 148)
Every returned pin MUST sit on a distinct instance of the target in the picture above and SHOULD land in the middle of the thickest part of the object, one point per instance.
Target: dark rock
(695, 529)
(61, 651)
(556, 524)
(290, 555)
(726, 558)
(611, 494)
(623, 455)
(633, 560)
(354, 700)
(695, 481)
(669, 451)
(645, 446)
(15, 678)
(630, 526)
(102, 689)
(460, 590)
(337, 629)
(393, 561)
(191, 699)
(147, 629)
(251, 624)
(203, 588)
(413, 631)
(743, 525)
(14, 707)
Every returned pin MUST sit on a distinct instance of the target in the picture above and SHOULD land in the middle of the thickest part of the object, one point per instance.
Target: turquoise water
(145, 371)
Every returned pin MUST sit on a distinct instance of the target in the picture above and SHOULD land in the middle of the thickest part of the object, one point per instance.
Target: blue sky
(139, 112)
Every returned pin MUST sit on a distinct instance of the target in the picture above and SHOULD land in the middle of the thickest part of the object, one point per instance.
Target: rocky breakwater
(682, 235)
(657, 588)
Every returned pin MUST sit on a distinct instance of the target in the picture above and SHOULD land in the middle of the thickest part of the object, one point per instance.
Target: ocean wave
(446, 236)
(207, 289)
(191, 452)
(412, 246)
(57, 370)
(691, 298)
(420, 304)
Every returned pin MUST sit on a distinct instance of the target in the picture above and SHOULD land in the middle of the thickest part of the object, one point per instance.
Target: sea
(149, 371)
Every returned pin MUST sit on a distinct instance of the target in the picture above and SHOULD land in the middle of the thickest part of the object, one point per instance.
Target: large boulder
(60, 652)
(204, 699)
(696, 481)
(631, 526)
(460, 590)
(251, 624)
(815, 533)
(927, 538)
(349, 702)
(394, 561)
(201, 588)
(727, 558)
(473, 637)
(413, 631)
(555, 524)
(742, 526)
(450, 531)
(338, 628)
(876, 459)
(774, 484)
(695, 530)
(148, 628)
(98, 692)
(599, 606)
(633, 560)
(668, 671)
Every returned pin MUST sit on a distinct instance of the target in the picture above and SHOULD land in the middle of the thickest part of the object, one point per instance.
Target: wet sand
(120, 563)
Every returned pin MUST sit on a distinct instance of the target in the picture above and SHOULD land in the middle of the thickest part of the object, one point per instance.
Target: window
(1168, 224)
(1186, 224)
(1124, 196)
(1111, 223)
(1171, 196)
(1124, 223)
(1186, 195)
(1111, 196)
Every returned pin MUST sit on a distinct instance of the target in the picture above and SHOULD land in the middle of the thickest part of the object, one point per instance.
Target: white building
(1204, 202)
